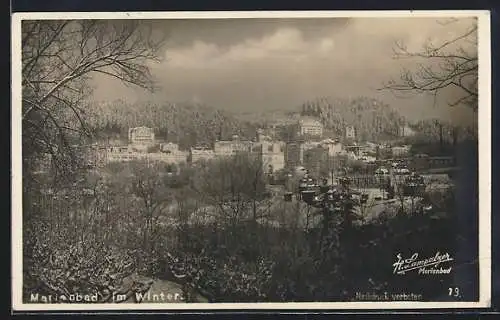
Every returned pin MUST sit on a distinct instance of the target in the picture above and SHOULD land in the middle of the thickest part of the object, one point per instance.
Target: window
(270, 148)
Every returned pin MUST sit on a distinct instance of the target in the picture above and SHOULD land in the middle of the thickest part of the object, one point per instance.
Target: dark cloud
(224, 32)
(259, 64)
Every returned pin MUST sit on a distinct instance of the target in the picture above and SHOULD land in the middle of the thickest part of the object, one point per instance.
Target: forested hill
(372, 118)
(188, 124)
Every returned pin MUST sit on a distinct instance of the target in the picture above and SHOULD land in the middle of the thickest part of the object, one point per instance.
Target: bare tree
(149, 187)
(450, 64)
(58, 59)
(235, 185)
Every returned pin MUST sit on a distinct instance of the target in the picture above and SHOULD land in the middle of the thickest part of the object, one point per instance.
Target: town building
(406, 131)
(141, 138)
(169, 147)
(176, 157)
(262, 136)
(310, 127)
(294, 152)
(170, 153)
(272, 154)
(313, 159)
(232, 147)
(124, 154)
(354, 149)
(400, 151)
(293, 155)
(96, 156)
(199, 154)
(334, 147)
(350, 133)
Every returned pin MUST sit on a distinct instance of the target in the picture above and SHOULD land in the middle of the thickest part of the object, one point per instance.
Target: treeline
(437, 137)
(187, 124)
(442, 130)
(370, 117)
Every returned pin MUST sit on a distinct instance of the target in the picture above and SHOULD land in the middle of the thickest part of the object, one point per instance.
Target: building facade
(350, 132)
(199, 154)
(314, 158)
(231, 148)
(272, 154)
(130, 153)
(334, 147)
(294, 152)
(310, 127)
(293, 155)
(406, 131)
(120, 156)
(401, 151)
(169, 147)
(141, 135)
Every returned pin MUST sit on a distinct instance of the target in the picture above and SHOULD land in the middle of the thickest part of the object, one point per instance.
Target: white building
(400, 151)
(350, 132)
(176, 157)
(141, 135)
(198, 154)
(230, 148)
(308, 145)
(170, 153)
(124, 154)
(311, 127)
(367, 158)
(294, 152)
(334, 147)
(406, 131)
(262, 136)
(141, 138)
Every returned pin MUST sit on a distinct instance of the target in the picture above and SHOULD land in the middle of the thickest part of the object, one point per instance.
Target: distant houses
(309, 149)
(232, 147)
(400, 151)
(310, 127)
(143, 146)
(201, 154)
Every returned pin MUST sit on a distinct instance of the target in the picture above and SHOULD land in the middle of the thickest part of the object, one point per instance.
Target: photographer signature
(401, 266)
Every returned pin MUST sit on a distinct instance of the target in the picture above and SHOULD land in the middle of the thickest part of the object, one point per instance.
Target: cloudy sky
(262, 64)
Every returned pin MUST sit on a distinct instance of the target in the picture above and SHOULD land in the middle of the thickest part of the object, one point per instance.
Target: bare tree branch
(58, 59)
(451, 64)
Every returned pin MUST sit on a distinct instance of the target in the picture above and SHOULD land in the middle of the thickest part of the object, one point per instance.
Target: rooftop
(310, 121)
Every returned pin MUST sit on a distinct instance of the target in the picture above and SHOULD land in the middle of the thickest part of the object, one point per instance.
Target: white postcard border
(484, 118)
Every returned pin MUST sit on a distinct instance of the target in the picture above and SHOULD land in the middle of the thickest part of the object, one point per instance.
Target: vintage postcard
(251, 160)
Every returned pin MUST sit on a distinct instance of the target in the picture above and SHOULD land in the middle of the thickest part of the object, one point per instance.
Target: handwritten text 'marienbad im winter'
(94, 298)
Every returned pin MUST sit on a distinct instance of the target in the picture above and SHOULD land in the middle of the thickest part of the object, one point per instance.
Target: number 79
(454, 292)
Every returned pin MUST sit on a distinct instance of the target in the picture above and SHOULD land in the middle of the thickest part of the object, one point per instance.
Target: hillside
(185, 123)
(371, 118)
(189, 124)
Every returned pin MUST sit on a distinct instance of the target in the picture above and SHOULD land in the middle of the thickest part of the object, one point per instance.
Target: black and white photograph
(251, 160)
